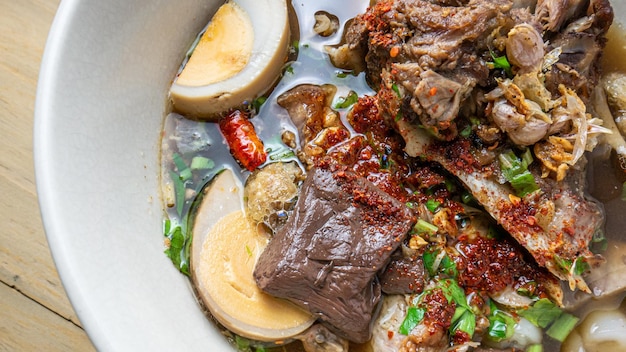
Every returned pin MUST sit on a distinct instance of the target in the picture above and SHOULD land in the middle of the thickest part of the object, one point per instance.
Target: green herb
(528, 289)
(395, 88)
(581, 266)
(466, 132)
(283, 155)
(432, 205)
(448, 267)
(177, 239)
(463, 320)
(399, 116)
(289, 69)
(501, 62)
(183, 170)
(201, 163)
(423, 226)
(468, 198)
(243, 344)
(562, 327)
(413, 317)
(564, 264)
(411, 205)
(343, 74)
(515, 170)
(450, 186)
(428, 258)
(346, 102)
(453, 292)
(179, 191)
(599, 242)
(542, 313)
(501, 323)
(258, 102)
(295, 46)
(493, 232)
(248, 251)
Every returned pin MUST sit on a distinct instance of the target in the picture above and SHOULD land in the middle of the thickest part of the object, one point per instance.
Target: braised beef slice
(326, 257)
(403, 275)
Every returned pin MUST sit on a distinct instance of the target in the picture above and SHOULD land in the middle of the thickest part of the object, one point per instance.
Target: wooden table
(35, 314)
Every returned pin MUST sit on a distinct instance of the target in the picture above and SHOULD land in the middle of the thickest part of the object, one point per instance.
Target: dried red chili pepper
(243, 142)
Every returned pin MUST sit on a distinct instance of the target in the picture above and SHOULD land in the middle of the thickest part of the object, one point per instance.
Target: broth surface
(313, 66)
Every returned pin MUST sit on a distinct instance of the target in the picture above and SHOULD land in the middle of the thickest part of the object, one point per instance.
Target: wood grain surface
(35, 313)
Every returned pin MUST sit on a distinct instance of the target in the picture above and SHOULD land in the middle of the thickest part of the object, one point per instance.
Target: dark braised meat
(325, 259)
(403, 275)
(465, 81)
(555, 225)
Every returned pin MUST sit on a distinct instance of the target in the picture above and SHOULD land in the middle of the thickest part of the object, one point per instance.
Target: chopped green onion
(497, 329)
(242, 343)
(179, 190)
(177, 243)
(624, 191)
(423, 226)
(599, 243)
(527, 158)
(450, 186)
(501, 323)
(501, 62)
(283, 155)
(432, 205)
(542, 313)
(399, 116)
(183, 170)
(413, 317)
(580, 266)
(201, 163)
(411, 205)
(515, 170)
(428, 258)
(466, 132)
(258, 102)
(348, 101)
(167, 225)
(534, 348)
(524, 183)
(562, 327)
(528, 289)
(395, 88)
(463, 320)
(448, 267)
(493, 231)
(453, 292)
(289, 69)
(468, 198)
(564, 264)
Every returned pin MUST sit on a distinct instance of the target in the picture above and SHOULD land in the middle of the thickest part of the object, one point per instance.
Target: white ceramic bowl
(100, 104)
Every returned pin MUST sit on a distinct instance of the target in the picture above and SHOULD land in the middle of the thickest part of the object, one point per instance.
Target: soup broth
(201, 148)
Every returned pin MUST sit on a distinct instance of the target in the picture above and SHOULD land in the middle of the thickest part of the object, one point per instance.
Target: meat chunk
(404, 275)
(325, 259)
(555, 225)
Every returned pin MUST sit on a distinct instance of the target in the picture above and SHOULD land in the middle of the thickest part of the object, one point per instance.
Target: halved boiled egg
(225, 249)
(238, 58)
